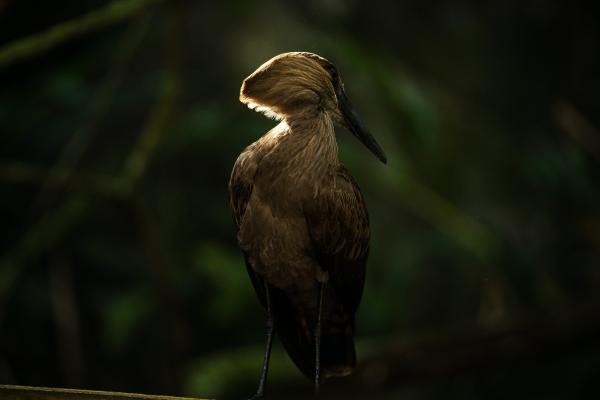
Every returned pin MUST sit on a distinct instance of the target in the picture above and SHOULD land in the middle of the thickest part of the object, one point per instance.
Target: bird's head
(302, 85)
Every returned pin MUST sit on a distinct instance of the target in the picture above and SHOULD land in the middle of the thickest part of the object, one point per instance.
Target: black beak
(355, 124)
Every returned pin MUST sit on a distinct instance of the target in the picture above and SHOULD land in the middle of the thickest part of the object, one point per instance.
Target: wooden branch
(9, 392)
(29, 46)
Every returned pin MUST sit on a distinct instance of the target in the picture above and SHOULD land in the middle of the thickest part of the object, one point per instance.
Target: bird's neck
(312, 145)
(300, 155)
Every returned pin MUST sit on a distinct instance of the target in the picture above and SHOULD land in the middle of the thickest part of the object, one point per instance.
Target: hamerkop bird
(302, 223)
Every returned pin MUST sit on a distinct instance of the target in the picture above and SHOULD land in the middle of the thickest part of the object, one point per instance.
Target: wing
(241, 184)
(339, 229)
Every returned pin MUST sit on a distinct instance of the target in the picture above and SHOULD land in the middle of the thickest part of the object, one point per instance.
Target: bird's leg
(260, 392)
(318, 338)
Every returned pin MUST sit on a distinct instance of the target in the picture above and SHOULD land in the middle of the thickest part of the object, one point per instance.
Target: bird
(301, 219)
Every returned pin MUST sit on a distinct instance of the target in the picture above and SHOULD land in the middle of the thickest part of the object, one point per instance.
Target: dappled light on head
(267, 111)
(304, 86)
(289, 84)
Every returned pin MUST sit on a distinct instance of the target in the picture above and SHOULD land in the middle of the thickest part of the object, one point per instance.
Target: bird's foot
(257, 396)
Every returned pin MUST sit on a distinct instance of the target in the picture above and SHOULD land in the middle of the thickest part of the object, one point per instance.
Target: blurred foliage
(120, 123)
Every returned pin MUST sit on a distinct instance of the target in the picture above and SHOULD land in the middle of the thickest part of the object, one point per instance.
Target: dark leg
(260, 392)
(318, 339)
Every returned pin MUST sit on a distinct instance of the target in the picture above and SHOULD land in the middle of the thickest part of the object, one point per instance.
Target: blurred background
(120, 123)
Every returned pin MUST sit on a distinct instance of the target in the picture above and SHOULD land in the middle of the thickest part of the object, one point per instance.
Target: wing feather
(339, 229)
(241, 184)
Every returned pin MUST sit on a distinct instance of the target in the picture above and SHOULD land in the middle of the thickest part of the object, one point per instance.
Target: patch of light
(265, 110)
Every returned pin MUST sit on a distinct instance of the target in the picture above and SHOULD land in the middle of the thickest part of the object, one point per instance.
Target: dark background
(119, 268)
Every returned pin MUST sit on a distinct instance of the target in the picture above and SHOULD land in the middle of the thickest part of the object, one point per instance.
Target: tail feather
(338, 356)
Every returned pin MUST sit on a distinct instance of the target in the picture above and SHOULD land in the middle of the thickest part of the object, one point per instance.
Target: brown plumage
(302, 223)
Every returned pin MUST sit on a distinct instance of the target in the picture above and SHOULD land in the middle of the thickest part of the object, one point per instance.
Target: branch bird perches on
(9, 392)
